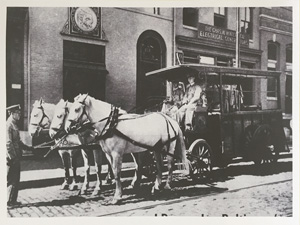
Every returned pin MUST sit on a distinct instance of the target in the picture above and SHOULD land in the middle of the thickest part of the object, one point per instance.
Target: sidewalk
(40, 172)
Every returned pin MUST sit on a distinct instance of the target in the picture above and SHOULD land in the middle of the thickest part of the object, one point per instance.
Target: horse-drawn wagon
(241, 116)
(238, 115)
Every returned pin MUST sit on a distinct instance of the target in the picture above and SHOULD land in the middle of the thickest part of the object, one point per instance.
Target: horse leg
(73, 160)
(116, 162)
(159, 164)
(110, 175)
(170, 161)
(87, 165)
(136, 181)
(98, 163)
(65, 162)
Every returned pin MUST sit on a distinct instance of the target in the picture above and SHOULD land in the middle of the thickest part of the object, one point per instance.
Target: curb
(126, 172)
(41, 183)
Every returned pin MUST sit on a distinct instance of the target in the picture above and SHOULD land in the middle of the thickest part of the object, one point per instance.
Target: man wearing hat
(14, 147)
(192, 95)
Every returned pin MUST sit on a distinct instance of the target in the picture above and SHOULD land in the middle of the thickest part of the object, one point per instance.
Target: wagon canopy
(180, 71)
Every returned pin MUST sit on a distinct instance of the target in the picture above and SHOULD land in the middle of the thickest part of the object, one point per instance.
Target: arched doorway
(151, 55)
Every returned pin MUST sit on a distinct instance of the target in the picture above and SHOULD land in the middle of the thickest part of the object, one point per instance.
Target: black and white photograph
(155, 110)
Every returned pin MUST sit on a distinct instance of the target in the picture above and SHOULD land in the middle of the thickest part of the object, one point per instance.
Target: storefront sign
(221, 34)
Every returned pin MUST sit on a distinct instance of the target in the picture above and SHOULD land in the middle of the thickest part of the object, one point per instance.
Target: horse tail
(180, 148)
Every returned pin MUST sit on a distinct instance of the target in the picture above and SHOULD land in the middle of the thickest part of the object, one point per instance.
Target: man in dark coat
(14, 147)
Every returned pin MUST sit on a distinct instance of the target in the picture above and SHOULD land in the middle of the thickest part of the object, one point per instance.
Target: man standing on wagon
(189, 101)
(14, 147)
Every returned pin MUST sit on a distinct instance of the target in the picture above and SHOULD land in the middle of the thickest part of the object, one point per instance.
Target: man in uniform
(14, 147)
(189, 101)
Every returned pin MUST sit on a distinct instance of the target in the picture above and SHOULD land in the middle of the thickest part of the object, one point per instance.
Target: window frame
(272, 66)
(248, 22)
(194, 20)
(219, 15)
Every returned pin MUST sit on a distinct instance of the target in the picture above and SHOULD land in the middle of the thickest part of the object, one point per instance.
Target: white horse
(40, 119)
(83, 138)
(131, 134)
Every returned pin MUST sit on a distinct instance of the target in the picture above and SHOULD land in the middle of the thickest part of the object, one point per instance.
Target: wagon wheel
(263, 145)
(200, 158)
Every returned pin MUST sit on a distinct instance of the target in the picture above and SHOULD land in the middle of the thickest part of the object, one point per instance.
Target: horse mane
(106, 104)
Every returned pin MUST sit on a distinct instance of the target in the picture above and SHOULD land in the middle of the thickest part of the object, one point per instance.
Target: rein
(110, 128)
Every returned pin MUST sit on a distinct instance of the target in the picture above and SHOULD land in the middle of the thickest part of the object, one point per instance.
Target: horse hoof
(154, 191)
(134, 186)
(73, 187)
(64, 187)
(116, 201)
(82, 192)
(96, 192)
(109, 181)
(167, 187)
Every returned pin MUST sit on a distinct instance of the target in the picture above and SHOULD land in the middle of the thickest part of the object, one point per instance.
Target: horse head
(60, 113)
(39, 117)
(77, 113)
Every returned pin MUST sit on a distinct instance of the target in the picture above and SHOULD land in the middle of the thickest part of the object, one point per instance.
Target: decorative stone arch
(151, 55)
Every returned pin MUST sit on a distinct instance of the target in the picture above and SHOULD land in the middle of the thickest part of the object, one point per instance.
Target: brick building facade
(56, 53)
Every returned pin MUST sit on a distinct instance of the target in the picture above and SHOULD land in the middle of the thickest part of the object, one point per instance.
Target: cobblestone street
(235, 190)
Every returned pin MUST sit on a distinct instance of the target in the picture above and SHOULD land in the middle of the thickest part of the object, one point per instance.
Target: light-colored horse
(154, 130)
(40, 112)
(40, 119)
(84, 137)
(88, 136)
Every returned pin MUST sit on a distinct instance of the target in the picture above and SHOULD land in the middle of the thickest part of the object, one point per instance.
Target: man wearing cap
(192, 95)
(173, 103)
(14, 147)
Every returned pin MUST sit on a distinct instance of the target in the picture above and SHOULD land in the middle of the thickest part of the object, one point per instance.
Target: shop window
(191, 57)
(272, 66)
(224, 61)
(246, 14)
(219, 17)
(190, 17)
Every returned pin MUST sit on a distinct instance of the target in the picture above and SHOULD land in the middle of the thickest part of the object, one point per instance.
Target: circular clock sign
(86, 19)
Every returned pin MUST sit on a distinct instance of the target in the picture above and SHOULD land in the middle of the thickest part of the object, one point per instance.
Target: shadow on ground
(183, 186)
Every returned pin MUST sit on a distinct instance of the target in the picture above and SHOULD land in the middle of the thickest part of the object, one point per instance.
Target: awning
(180, 71)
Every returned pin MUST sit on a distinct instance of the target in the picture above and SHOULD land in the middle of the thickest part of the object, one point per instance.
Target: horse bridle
(85, 113)
(80, 118)
(58, 133)
(40, 125)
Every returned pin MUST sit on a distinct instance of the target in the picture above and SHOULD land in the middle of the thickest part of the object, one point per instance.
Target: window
(219, 17)
(190, 17)
(224, 61)
(246, 25)
(156, 10)
(272, 65)
(191, 57)
(289, 57)
(289, 54)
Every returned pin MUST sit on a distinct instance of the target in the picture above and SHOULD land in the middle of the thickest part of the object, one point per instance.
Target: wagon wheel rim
(203, 163)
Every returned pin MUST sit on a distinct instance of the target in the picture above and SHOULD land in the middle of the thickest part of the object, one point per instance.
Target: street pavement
(41, 196)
